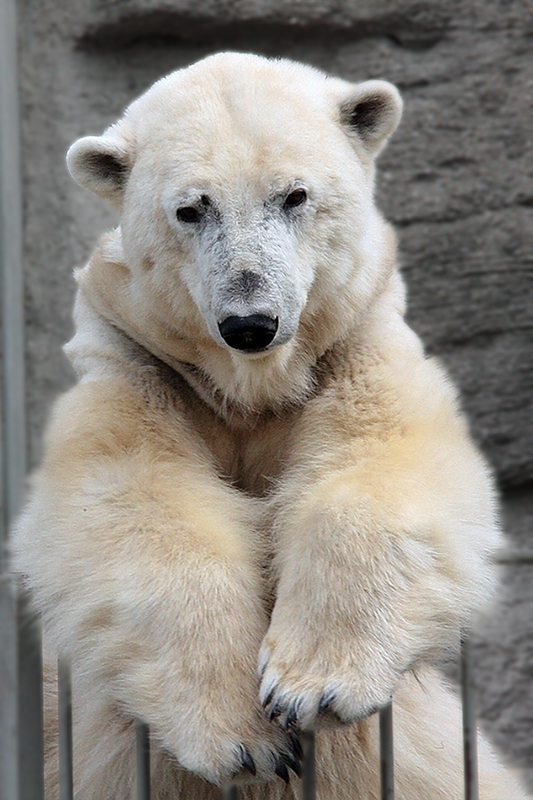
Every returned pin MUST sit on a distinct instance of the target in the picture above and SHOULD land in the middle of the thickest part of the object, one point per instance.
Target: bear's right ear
(102, 165)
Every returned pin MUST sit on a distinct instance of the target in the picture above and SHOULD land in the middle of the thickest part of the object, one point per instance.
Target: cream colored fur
(316, 511)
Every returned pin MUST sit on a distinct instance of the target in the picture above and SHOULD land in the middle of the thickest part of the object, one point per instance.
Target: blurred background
(456, 180)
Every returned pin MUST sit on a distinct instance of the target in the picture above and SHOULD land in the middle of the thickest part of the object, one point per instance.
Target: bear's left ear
(102, 164)
(371, 111)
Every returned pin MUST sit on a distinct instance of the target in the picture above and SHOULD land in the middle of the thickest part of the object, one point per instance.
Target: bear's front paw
(258, 751)
(323, 682)
(274, 756)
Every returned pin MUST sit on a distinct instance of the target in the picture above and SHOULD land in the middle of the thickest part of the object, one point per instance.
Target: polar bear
(260, 511)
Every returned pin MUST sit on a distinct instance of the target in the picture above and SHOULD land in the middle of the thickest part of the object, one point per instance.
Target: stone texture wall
(455, 180)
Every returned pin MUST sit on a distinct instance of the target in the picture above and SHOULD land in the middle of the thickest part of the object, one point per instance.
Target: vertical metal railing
(21, 699)
(386, 753)
(469, 722)
(21, 715)
(142, 736)
(308, 766)
(64, 711)
(26, 781)
(12, 283)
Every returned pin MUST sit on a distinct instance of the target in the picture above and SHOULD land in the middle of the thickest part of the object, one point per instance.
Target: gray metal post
(143, 760)
(64, 695)
(308, 766)
(386, 753)
(21, 716)
(9, 773)
(469, 723)
(12, 284)
(30, 692)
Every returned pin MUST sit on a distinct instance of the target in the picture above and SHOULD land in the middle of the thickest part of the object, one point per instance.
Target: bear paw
(278, 760)
(262, 752)
(303, 692)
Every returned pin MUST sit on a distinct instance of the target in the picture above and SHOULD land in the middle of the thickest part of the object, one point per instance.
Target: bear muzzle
(248, 334)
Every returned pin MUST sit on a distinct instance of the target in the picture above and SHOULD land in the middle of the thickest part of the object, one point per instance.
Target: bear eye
(295, 198)
(188, 214)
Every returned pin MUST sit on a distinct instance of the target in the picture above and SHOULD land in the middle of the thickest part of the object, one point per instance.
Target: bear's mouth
(251, 334)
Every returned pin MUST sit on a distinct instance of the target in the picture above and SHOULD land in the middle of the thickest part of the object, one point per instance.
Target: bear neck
(235, 387)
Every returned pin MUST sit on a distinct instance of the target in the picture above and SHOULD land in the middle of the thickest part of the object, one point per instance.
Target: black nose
(252, 333)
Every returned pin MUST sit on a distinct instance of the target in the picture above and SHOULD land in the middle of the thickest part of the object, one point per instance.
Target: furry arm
(142, 563)
(385, 530)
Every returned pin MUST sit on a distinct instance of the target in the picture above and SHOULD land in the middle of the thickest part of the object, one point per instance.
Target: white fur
(316, 508)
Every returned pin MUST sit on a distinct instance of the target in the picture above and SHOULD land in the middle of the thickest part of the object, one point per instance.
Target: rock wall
(455, 180)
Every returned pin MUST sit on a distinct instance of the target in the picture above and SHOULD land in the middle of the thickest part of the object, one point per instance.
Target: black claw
(275, 712)
(292, 763)
(325, 702)
(281, 770)
(248, 762)
(292, 717)
(268, 698)
(296, 745)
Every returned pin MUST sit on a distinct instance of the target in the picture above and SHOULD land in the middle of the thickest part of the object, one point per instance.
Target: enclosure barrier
(469, 723)
(385, 742)
(231, 792)
(64, 710)
(32, 788)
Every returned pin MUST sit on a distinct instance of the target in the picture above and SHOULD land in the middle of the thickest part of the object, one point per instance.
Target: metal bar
(231, 793)
(30, 692)
(386, 753)
(9, 774)
(21, 712)
(64, 696)
(308, 766)
(469, 722)
(143, 760)
(21, 701)
(11, 276)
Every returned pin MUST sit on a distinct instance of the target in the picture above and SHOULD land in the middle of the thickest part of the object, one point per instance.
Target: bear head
(247, 217)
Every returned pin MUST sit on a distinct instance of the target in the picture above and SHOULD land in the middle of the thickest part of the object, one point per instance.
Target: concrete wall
(456, 181)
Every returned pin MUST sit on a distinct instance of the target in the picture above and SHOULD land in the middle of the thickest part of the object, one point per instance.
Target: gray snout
(250, 334)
